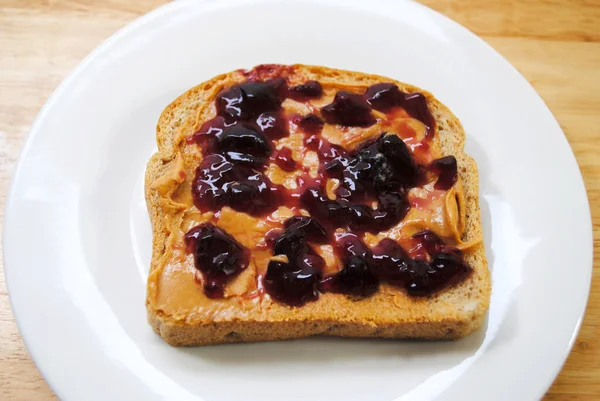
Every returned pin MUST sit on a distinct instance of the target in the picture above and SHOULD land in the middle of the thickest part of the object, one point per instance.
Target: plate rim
(147, 18)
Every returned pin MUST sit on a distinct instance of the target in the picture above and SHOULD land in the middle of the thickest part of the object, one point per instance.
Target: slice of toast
(180, 312)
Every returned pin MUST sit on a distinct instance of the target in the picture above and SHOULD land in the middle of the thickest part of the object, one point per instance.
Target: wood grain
(554, 44)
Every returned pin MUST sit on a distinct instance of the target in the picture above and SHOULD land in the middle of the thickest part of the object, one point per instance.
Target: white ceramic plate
(77, 237)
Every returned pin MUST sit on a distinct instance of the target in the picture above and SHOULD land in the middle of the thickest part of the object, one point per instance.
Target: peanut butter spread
(174, 284)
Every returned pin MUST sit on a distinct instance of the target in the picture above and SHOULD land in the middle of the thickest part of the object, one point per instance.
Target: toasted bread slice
(180, 313)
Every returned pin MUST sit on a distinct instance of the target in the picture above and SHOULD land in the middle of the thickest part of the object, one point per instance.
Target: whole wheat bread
(449, 314)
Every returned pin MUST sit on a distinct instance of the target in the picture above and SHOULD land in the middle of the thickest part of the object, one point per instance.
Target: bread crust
(450, 314)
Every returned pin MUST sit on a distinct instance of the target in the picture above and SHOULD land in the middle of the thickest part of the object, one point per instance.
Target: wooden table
(555, 44)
